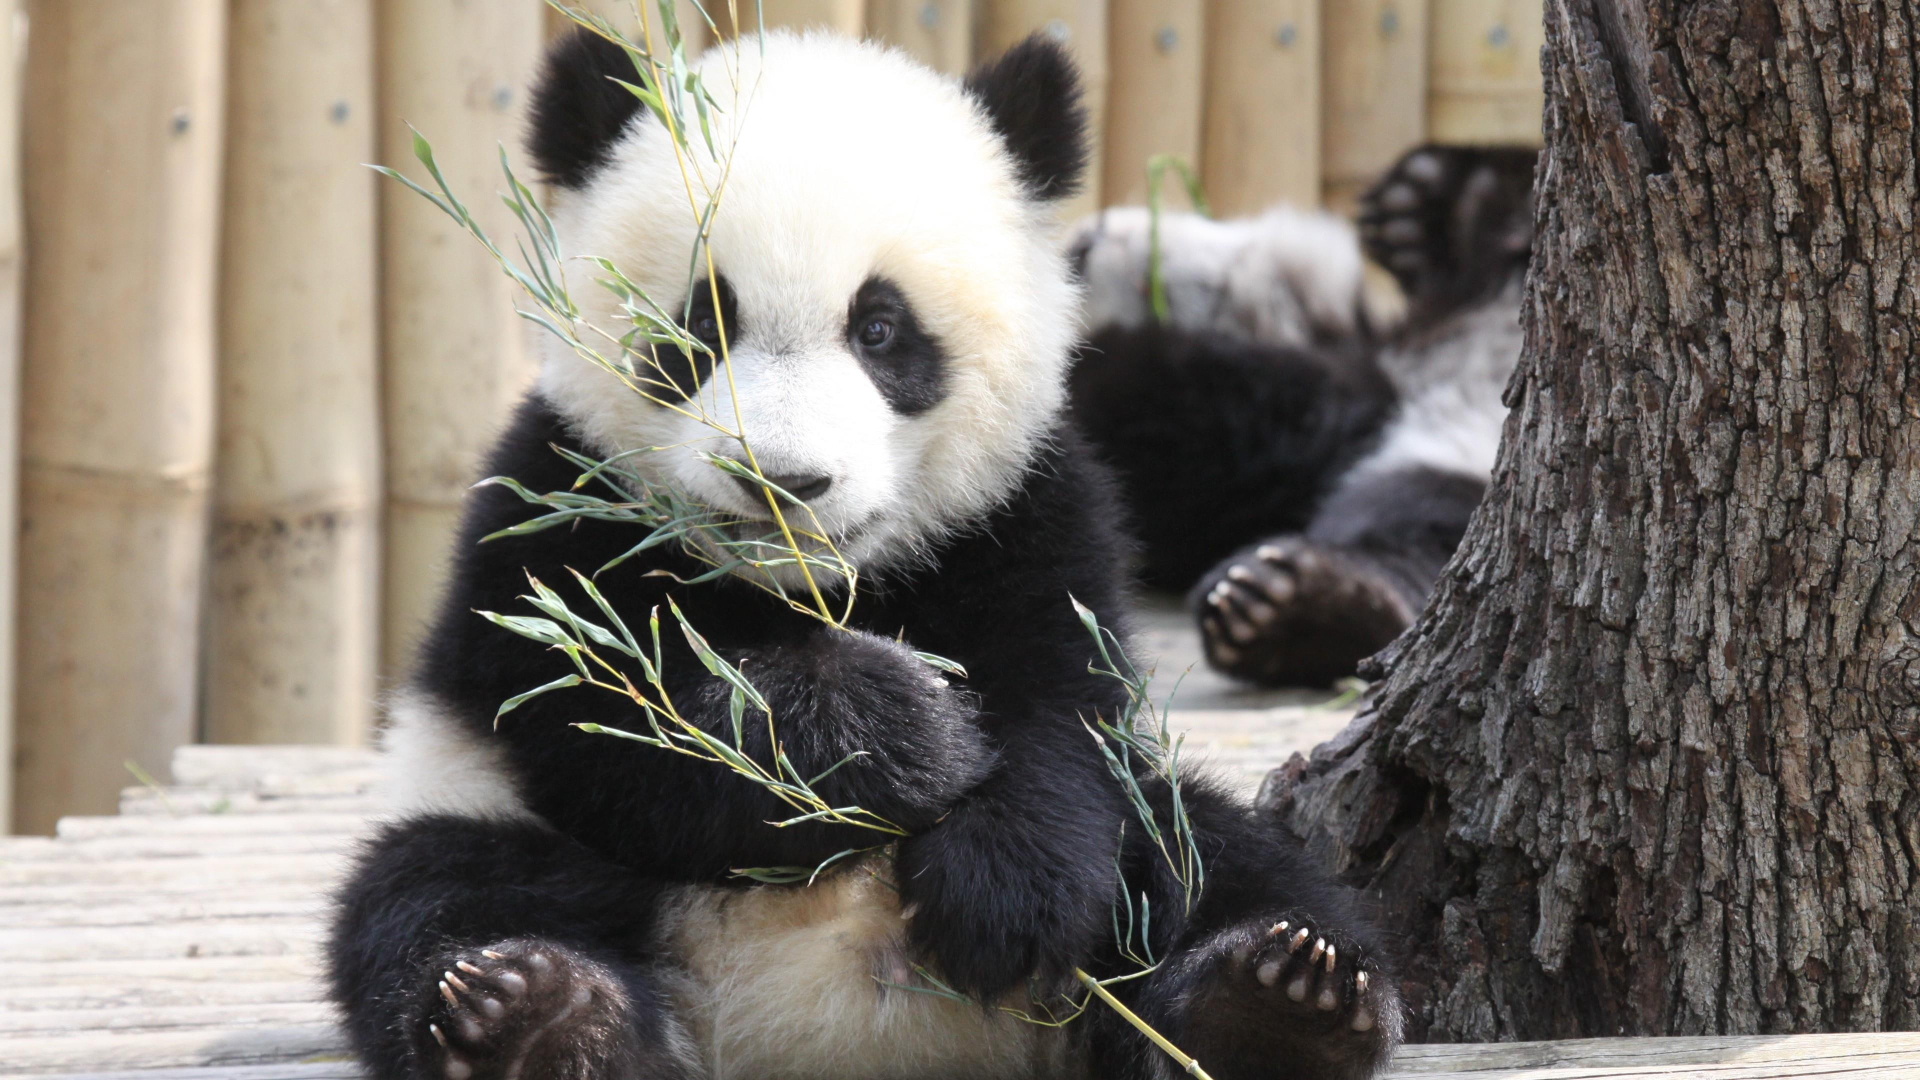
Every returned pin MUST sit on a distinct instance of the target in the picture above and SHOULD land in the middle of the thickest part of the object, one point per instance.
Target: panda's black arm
(1019, 878)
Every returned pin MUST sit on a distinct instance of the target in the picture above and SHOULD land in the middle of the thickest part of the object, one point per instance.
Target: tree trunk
(1647, 764)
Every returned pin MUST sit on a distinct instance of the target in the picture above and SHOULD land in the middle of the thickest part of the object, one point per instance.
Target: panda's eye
(875, 333)
(707, 329)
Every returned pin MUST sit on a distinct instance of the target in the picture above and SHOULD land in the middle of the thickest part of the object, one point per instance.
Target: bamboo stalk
(122, 182)
(1375, 90)
(1155, 49)
(9, 381)
(454, 355)
(1081, 25)
(1485, 65)
(938, 33)
(292, 602)
(1262, 142)
(694, 32)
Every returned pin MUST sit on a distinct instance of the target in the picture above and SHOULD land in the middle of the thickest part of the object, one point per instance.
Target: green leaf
(518, 700)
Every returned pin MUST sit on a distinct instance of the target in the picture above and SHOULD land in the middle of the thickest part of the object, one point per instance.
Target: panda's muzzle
(803, 486)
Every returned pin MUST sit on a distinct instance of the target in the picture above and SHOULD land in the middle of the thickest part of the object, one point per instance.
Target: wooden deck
(179, 939)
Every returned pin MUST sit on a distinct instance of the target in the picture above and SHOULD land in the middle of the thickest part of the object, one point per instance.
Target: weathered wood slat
(90, 999)
(282, 824)
(180, 802)
(246, 766)
(230, 1014)
(165, 846)
(210, 873)
(37, 976)
(319, 1070)
(1786, 1055)
(154, 1050)
(267, 937)
(187, 910)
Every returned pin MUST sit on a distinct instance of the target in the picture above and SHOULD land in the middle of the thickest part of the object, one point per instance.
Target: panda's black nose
(803, 486)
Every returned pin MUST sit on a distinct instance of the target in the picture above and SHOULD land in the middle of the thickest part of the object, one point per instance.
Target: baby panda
(898, 320)
(1311, 472)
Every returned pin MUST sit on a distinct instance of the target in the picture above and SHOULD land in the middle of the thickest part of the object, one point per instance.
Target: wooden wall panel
(455, 357)
(122, 182)
(1262, 140)
(1155, 52)
(292, 599)
(1375, 90)
(1082, 26)
(939, 33)
(10, 286)
(1485, 72)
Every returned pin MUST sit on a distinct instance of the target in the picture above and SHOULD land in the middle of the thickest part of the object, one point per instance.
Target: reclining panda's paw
(1289, 997)
(1449, 220)
(524, 1009)
(1289, 613)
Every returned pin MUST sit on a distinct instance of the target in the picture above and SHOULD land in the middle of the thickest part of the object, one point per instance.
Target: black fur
(1454, 225)
(1032, 97)
(578, 111)
(1015, 820)
(1217, 441)
(908, 368)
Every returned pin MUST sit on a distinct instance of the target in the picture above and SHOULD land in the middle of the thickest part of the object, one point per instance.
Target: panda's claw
(1299, 939)
(1331, 953)
(447, 992)
(438, 1035)
(469, 968)
(448, 978)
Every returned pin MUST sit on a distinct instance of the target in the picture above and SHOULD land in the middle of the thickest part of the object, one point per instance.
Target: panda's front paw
(1286, 996)
(1448, 222)
(524, 1009)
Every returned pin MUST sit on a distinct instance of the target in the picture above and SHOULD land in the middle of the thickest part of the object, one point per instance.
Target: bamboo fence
(244, 385)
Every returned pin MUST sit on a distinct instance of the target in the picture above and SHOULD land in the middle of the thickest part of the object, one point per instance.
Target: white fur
(1286, 277)
(846, 160)
(431, 764)
(807, 983)
(1450, 383)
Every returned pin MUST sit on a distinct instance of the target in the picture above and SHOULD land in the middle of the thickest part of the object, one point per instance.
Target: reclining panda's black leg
(1274, 972)
(1305, 609)
(480, 950)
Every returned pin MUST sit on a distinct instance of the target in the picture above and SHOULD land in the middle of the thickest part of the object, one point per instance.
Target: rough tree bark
(1647, 764)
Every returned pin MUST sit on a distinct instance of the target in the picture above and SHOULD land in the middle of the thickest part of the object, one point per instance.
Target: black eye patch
(678, 375)
(903, 360)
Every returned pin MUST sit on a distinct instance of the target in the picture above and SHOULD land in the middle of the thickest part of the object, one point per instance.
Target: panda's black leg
(488, 950)
(1274, 971)
(1451, 223)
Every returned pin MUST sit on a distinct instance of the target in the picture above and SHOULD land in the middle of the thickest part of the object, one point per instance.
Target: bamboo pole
(9, 381)
(847, 16)
(938, 33)
(1485, 64)
(122, 182)
(1262, 140)
(1375, 87)
(454, 355)
(292, 601)
(1155, 51)
(1081, 25)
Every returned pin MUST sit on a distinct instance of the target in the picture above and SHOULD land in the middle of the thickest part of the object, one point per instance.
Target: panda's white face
(898, 316)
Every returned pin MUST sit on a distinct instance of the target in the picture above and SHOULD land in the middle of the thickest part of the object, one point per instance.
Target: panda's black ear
(1032, 97)
(578, 111)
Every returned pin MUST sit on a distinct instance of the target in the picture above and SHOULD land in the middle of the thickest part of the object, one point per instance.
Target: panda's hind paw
(1288, 990)
(523, 1009)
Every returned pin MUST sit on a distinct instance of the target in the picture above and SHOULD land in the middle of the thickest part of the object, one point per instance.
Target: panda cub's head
(897, 311)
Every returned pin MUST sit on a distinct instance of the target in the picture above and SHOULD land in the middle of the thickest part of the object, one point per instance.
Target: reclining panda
(1301, 466)
(549, 903)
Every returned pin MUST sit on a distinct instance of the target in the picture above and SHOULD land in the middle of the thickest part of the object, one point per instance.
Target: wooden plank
(117, 429)
(190, 909)
(164, 1049)
(246, 766)
(164, 1018)
(209, 873)
(173, 846)
(210, 825)
(846, 16)
(1651, 1055)
(10, 344)
(1081, 25)
(321, 1070)
(228, 937)
(1484, 56)
(1262, 137)
(938, 33)
(454, 353)
(1374, 86)
(42, 977)
(103, 997)
(292, 618)
(191, 801)
(1155, 55)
